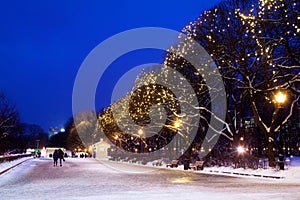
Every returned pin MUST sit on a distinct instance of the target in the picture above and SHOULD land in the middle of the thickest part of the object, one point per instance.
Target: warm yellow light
(181, 180)
(177, 123)
(280, 97)
(242, 138)
(140, 131)
(241, 149)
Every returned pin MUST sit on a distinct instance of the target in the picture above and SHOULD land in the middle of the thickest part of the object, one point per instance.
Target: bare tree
(9, 117)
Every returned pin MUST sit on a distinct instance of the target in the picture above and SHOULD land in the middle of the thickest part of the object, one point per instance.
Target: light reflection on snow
(181, 180)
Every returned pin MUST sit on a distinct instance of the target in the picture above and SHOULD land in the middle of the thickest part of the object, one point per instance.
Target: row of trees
(255, 45)
(16, 136)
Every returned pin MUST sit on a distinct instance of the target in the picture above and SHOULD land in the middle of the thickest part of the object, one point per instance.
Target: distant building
(52, 131)
(50, 150)
(100, 149)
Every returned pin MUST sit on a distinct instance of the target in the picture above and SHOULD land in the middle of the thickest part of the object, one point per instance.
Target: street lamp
(240, 149)
(280, 98)
(37, 144)
(116, 137)
(140, 133)
(177, 123)
(240, 156)
(118, 140)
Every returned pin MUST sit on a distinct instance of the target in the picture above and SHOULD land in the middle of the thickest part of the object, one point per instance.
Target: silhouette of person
(55, 157)
(60, 156)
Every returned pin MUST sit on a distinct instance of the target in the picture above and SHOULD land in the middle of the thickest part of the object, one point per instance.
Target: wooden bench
(174, 163)
(197, 165)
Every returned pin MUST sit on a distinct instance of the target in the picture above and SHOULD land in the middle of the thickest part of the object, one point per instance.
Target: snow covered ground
(92, 179)
(291, 172)
(4, 166)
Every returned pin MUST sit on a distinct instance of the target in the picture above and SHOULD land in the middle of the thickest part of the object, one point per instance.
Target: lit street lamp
(177, 123)
(118, 142)
(241, 150)
(240, 156)
(140, 133)
(280, 99)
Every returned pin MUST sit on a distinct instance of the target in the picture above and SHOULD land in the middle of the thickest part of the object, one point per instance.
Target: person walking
(60, 156)
(55, 157)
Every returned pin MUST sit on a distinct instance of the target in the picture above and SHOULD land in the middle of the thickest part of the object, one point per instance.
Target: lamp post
(280, 99)
(177, 124)
(140, 133)
(37, 144)
(118, 142)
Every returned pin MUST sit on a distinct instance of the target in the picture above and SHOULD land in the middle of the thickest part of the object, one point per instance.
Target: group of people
(58, 154)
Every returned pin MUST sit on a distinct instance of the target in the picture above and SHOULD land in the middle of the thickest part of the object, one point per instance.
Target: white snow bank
(4, 166)
(291, 172)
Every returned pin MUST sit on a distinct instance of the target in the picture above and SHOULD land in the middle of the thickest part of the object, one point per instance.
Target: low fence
(9, 158)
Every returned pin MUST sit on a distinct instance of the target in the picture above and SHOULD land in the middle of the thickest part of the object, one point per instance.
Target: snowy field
(85, 179)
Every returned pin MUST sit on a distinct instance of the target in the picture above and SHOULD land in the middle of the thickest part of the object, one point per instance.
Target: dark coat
(60, 154)
(55, 155)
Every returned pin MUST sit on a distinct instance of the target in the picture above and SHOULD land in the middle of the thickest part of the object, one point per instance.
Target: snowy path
(90, 179)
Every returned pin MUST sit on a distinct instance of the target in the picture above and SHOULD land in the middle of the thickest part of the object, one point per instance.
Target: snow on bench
(174, 163)
(197, 165)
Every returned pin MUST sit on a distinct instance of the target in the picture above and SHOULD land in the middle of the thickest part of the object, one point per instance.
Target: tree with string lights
(149, 105)
(256, 46)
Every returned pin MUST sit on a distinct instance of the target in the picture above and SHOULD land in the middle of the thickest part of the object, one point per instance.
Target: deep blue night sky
(43, 43)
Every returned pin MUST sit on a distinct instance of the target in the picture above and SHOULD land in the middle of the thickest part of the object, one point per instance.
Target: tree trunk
(271, 153)
(259, 141)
